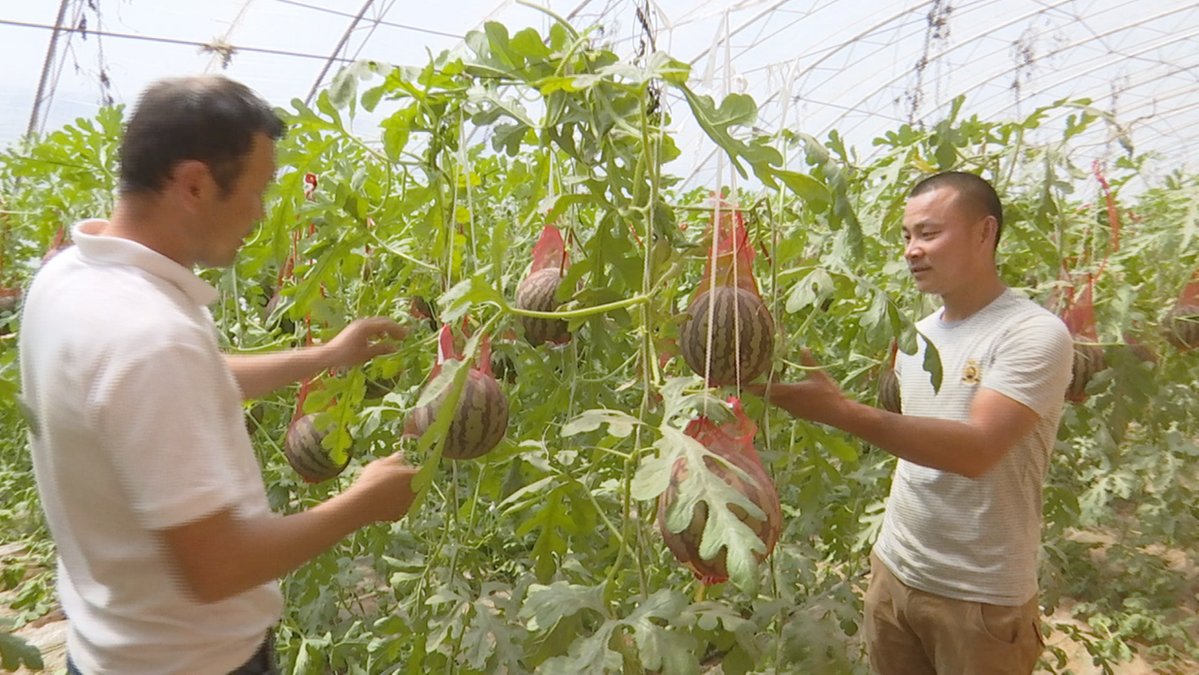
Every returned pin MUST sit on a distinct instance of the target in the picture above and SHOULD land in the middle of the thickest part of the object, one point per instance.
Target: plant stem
(579, 313)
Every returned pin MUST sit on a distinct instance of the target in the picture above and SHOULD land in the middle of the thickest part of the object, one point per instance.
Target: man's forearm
(956, 447)
(260, 374)
(223, 556)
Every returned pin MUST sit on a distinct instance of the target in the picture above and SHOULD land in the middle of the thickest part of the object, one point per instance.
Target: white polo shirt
(977, 539)
(136, 427)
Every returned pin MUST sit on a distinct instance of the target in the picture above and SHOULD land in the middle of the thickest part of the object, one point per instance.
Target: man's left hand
(363, 340)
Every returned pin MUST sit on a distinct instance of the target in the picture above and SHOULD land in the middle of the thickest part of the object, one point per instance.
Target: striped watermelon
(1089, 360)
(733, 442)
(888, 384)
(538, 293)
(306, 454)
(742, 335)
(480, 420)
(888, 391)
(1181, 326)
(1139, 350)
(10, 300)
(685, 545)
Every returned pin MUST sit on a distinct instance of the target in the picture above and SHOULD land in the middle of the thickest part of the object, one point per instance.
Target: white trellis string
(734, 213)
(464, 169)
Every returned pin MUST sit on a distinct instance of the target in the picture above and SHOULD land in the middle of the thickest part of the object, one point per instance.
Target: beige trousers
(911, 632)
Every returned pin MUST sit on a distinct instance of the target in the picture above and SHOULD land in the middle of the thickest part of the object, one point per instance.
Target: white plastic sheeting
(858, 66)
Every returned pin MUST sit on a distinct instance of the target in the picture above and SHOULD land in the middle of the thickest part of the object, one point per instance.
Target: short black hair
(970, 188)
(209, 118)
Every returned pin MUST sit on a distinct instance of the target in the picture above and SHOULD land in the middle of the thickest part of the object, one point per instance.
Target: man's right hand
(385, 486)
(221, 555)
(817, 397)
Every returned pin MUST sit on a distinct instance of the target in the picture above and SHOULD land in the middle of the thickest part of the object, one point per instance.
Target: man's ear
(990, 229)
(191, 184)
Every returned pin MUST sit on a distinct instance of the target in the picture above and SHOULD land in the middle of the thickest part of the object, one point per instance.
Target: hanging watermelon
(1181, 324)
(1089, 358)
(727, 335)
(481, 416)
(539, 290)
(732, 441)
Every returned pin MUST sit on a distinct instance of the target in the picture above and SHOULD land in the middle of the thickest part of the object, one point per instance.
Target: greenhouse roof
(858, 67)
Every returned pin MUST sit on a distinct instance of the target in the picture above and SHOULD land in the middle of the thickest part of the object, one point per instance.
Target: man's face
(231, 217)
(947, 246)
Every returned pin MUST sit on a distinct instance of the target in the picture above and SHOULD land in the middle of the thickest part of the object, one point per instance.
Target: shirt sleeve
(1033, 363)
(160, 424)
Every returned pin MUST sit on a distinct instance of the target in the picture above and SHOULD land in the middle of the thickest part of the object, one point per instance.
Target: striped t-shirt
(977, 539)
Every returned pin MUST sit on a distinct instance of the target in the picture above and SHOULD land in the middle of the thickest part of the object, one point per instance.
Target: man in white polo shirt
(954, 572)
(168, 554)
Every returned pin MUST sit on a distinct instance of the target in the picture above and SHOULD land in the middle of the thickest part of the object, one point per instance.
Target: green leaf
(665, 604)
(396, 129)
(508, 137)
(658, 645)
(683, 397)
(325, 105)
(566, 201)
(545, 606)
(437, 431)
(438, 385)
(619, 424)
(525, 495)
(876, 315)
(302, 657)
(555, 518)
(810, 291)
(309, 287)
(932, 362)
(734, 633)
(512, 107)
(15, 653)
(735, 110)
(815, 193)
(653, 477)
(464, 295)
(528, 43)
(568, 83)
(343, 90)
(490, 640)
(556, 523)
(371, 97)
(497, 40)
(672, 71)
(450, 622)
(712, 616)
(666, 650)
(587, 656)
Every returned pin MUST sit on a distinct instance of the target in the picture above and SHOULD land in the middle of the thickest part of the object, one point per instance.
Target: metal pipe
(41, 84)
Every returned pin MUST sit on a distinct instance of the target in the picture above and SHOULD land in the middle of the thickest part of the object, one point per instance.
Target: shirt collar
(120, 251)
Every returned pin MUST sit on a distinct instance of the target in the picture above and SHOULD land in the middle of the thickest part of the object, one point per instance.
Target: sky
(861, 67)
(306, 34)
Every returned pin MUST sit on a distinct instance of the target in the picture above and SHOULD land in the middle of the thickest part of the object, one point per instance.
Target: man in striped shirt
(954, 582)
